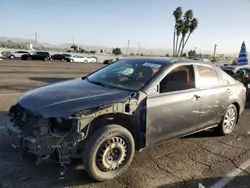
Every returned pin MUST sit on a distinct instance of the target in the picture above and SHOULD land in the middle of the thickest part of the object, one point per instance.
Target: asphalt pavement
(200, 160)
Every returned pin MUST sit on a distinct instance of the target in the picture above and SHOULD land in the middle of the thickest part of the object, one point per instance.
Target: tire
(85, 61)
(101, 142)
(228, 122)
(12, 57)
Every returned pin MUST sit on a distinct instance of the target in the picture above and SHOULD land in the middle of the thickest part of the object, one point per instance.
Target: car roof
(162, 60)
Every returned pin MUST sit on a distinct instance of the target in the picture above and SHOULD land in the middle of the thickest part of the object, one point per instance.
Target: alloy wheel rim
(112, 154)
(229, 120)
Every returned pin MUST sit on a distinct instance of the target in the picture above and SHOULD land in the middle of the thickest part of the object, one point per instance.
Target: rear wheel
(12, 57)
(85, 61)
(229, 120)
(108, 152)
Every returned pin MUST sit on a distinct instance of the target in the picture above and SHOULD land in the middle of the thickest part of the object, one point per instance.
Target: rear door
(174, 111)
(215, 95)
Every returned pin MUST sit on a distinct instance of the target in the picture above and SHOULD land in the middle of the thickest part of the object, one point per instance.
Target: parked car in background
(110, 61)
(92, 59)
(6, 53)
(38, 55)
(125, 106)
(230, 70)
(242, 74)
(81, 59)
(60, 57)
(17, 54)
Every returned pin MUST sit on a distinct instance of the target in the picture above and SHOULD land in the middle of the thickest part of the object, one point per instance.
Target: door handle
(228, 90)
(196, 97)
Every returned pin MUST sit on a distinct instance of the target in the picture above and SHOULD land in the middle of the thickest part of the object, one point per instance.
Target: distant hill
(155, 51)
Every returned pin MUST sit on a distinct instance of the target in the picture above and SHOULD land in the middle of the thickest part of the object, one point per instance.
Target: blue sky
(112, 22)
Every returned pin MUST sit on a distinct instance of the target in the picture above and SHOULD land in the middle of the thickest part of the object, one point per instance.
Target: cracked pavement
(200, 158)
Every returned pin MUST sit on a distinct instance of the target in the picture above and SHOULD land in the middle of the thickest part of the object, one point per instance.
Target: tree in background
(132, 54)
(177, 15)
(74, 47)
(167, 55)
(191, 54)
(92, 52)
(117, 51)
(184, 55)
(101, 51)
(184, 27)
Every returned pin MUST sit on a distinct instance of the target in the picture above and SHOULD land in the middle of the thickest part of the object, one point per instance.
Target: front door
(174, 111)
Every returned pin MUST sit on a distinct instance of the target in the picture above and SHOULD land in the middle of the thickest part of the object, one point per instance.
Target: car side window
(208, 76)
(222, 80)
(180, 78)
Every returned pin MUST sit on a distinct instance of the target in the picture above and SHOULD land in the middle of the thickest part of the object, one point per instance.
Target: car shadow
(237, 182)
(49, 80)
(46, 174)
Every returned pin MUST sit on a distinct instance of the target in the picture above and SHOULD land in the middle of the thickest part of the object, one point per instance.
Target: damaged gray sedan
(126, 106)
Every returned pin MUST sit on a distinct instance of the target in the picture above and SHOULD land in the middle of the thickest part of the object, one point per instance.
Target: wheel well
(238, 110)
(119, 119)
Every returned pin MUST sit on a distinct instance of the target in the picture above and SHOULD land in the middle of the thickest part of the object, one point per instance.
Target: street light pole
(215, 51)
(128, 48)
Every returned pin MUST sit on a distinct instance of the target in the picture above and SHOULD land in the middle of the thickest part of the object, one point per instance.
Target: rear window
(225, 76)
(207, 76)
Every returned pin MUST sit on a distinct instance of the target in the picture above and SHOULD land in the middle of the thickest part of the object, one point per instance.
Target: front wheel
(229, 120)
(108, 152)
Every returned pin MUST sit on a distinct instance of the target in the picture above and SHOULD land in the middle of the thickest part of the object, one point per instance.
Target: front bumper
(24, 142)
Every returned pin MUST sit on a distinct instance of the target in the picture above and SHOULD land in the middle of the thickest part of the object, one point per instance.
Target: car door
(215, 95)
(173, 110)
(18, 54)
(35, 55)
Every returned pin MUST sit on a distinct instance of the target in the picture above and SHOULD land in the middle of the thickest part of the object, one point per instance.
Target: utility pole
(139, 46)
(36, 39)
(127, 48)
(73, 40)
(215, 51)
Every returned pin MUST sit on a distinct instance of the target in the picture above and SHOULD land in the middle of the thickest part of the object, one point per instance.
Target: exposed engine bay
(51, 138)
(58, 139)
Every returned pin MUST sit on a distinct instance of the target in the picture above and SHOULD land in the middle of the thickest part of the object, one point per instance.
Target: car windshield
(126, 74)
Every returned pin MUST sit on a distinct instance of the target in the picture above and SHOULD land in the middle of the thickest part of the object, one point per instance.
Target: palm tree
(179, 28)
(177, 15)
(193, 25)
(188, 16)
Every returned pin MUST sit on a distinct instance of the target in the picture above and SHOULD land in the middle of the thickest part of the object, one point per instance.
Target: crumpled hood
(66, 98)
